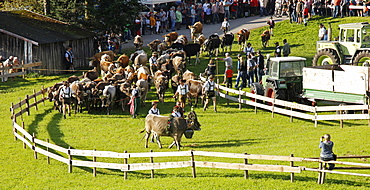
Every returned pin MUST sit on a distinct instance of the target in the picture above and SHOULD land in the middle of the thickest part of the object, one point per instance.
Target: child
(229, 78)
(154, 110)
(225, 26)
(176, 112)
(305, 15)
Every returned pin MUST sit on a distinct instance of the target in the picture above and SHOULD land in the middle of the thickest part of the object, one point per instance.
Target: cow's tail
(142, 131)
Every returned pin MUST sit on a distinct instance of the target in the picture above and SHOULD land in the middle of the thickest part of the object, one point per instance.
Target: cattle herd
(113, 88)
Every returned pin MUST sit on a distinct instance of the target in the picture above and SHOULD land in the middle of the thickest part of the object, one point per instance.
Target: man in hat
(286, 48)
(154, 110)
(153, 63)
(277, 51)
(249, 49)
(182, 92)
(209, 92)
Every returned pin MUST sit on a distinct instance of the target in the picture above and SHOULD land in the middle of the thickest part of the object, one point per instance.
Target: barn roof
(38, 29)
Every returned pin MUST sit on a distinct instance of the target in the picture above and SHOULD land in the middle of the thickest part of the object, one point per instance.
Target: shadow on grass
(32, 128)
(56, 136)
(226, 143)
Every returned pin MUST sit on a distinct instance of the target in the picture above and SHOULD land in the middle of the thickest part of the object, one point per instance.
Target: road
(235, 25)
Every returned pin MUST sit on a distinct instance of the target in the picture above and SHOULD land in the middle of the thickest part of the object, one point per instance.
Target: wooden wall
(50, 54)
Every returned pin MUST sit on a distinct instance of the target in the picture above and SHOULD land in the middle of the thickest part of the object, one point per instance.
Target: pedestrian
(65, 95)
(225, 26)
(277, 51)
(163, 18)
(228, 64)
(154, 110)
(271, 24)
(175, 112)
(260, 65)
(250, 69)
(172, 16)
(68, 61)
(215, 9)
(135, 101)
(153, 63)
(182, 92)
(227, 5)
(211, 68)
(249, 49)
(305, 15)
(323, 34)
(157, 17)
(221, 11)
(286, 48)
(326, 147)
(178, 18)
(152, 23)
(208, 15)
(229, 78)
(238, 67)
(209, 92)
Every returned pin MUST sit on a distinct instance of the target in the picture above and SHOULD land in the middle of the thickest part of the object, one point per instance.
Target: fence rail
(22, 67)
(70, 155)
(295, 109)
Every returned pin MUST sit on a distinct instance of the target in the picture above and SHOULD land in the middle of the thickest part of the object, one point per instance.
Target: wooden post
(291, 116)
(14, 121)
(34, 92)
(152, 171)
(24, 144)
(291, 165)
(315, 116)
(94, 169)
(23, 76)
(227, 100)
(323, 175)
(20, 106)
(240, 99)
(28, 105)
(218, 90)
(34, 145)
(125, 162)
(246, 174)
(320, 173)
(43, 95)
(193, 164)
(70, 160)
(47, 149)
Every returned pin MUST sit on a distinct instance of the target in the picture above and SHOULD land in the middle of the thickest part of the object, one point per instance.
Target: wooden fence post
(315, 116)
(34, 145)
(20, 106)
(291, 165)
(193, 164)
(291, 116)
(152, 171)
(34, 93)
(320, 173)
(28, 105)
(24, 144)
(23, 70)
(246, 174)
(43, 95)
(47, 149)
(125, 160)
(94, 169)
(70, 160)
(240, 99)
(323, 175)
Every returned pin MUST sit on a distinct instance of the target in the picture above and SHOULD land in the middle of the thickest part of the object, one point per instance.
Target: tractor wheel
(362, 59)
(272, 93)
(254, 90)
(325, 57)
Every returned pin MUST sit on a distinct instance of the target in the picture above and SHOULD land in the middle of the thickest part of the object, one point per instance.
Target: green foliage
(32, 5)
(229, 130)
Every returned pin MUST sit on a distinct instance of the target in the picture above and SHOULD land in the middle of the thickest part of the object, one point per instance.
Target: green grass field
(229, 130)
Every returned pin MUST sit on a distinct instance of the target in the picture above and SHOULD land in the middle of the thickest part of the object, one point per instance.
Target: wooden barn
(33, 38)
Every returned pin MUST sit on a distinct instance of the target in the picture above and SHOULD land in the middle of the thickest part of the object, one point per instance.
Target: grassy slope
(229, 130)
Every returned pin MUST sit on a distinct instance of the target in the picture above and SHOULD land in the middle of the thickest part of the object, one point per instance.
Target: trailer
(336, 84)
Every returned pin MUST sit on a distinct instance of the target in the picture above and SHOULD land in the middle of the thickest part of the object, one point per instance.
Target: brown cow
(187, 75)
(195, 90)
(143, 86)
(243, 36)
(196, 30)
(182, 39)
(200, 39)
(161, 83)
(265, 37)
(143, 73)
(123, 61)
(138, 42)
(179, 64)
(154, 45)
(141, 59)
(157, 125)
(170, 38)
(92, 74)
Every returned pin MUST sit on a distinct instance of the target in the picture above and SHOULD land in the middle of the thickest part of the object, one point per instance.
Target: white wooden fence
(294, 109)
(70, 155)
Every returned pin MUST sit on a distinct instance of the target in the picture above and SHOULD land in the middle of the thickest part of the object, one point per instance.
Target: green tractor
(352, 47)
(283, 79)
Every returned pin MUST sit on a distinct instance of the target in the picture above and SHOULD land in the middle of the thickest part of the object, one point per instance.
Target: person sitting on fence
(326, 147)
(65, 95)
(15, 63)
(7, 63)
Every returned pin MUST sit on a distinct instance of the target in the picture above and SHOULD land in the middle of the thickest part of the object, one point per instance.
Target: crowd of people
(10, 62)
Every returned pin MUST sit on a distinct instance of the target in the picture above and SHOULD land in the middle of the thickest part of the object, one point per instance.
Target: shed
(34, 37)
